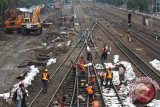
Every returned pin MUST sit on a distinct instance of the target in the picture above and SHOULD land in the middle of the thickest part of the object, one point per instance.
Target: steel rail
(105, 69)
(144, 71)
(137, 26)
(131, 55)
(74, 90)
(143, 40)
(87, 30)
(135, 34)
(88, 83)
(97, 80)
(40, 91)
(68, 71)
(144, 67)
(95, 70)
(77, 92)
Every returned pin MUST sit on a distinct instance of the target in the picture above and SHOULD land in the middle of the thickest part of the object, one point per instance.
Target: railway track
(54, 78)
(154, 24)
(144, 68)
(135, 26)
(135, 34)
(67, 73)
(116, 97)
(75, 89)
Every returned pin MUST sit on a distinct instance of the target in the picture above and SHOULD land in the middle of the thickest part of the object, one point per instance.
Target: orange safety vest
(89, 90)
(45, 76)
(109, 75)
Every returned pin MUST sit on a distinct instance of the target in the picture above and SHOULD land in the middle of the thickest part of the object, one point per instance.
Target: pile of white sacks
(154, 103)
(109, 95)
(156, 64)
(27, 81)
(124, 92)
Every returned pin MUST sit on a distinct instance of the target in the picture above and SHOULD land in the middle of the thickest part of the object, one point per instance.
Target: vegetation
(11, 4)
(27, 3)
(141, 5)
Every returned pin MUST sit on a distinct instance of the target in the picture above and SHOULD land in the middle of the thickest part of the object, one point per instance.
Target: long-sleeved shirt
(19, 94)
(88, 49)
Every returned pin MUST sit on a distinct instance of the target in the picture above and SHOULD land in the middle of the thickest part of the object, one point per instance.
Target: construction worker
(89, 91)
(82, 61)
(102, 77)
(24, 94)
(95, 103)
(19, 96)
(45, 80)
(73, 66)
(109, 76)
(89, 55)
(122, 70)
(91, 79)
(82, 72)
(96, 51)
(62, 102)
(104, 53)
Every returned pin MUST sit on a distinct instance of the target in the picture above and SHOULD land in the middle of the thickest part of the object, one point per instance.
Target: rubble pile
(53, 42)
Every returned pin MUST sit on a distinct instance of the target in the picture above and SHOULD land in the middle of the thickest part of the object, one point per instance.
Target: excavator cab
(14, 21)
(32, 24)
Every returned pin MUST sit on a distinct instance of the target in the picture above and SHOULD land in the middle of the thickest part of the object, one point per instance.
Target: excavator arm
(34, 26)
(36, 15)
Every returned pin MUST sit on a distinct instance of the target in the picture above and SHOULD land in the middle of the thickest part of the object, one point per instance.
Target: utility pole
(155, 13)
(126, 8)
(152, 15)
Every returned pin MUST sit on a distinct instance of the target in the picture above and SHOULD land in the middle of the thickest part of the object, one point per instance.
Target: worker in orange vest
(45, 80)
(90, 91)
(109, 76)
(95, 103)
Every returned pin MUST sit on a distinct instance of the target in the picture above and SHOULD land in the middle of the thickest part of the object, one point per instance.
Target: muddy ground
(16, 48)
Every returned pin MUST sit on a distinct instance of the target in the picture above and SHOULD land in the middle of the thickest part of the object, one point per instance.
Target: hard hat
(46, 70)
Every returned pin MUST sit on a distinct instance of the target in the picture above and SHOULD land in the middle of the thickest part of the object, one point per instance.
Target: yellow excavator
(32, 24)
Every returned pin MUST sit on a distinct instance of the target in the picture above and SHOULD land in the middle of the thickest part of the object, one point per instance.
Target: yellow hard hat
(46, 70)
